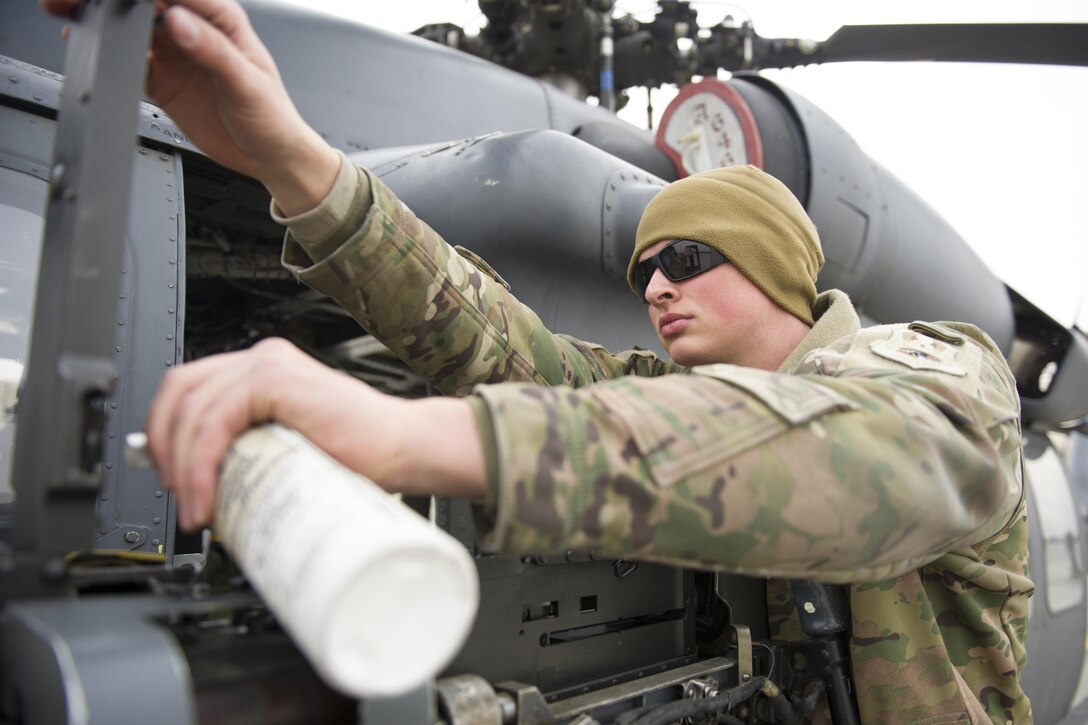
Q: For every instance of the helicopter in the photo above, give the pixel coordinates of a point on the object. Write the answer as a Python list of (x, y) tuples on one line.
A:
[(214, 283)]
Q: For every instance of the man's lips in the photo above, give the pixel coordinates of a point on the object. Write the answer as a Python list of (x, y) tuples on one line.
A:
[(672, 324)]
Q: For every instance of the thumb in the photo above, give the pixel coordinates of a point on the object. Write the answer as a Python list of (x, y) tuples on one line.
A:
[(183, 27), (211, 49)]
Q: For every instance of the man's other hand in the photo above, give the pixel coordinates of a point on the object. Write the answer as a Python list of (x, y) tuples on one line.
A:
[(423, 447), (214, 77)]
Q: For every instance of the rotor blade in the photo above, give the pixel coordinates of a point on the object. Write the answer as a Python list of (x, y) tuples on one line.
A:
[(1043, 43)]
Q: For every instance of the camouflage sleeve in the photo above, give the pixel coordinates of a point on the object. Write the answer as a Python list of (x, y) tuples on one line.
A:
[(444, 311), (857, 470)]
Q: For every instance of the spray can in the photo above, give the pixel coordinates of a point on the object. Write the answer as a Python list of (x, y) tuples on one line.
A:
[(374, 595)]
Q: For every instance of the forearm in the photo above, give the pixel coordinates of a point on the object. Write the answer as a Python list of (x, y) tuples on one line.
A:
[(442, 313), (796, 478)]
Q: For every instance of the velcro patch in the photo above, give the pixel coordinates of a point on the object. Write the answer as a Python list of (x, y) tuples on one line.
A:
[(919, 352)]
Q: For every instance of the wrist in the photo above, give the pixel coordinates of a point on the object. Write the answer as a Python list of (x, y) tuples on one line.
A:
[(443, 455), (300, 180)]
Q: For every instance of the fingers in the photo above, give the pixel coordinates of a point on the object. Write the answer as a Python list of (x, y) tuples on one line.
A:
[(216, 37), (207, 420), (202, 407), (205, 46), (70, 8), (188, 463), (61, 8), (174, 387), (208, 21), (226, 15)]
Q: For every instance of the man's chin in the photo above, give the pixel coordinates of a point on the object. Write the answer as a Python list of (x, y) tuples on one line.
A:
[(682, 356)]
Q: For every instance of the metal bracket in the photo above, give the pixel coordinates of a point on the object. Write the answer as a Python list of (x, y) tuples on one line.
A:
[(745, 664), (58, 446)]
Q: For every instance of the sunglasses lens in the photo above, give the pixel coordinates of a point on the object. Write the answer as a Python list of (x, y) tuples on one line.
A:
[(678, 261), (686, 259)]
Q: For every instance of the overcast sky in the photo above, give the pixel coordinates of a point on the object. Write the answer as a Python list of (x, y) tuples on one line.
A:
[(999, 150)]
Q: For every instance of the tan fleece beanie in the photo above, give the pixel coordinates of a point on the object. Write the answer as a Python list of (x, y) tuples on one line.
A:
[(751, 218)]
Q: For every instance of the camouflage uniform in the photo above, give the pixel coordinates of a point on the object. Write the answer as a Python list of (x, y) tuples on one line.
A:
[(886, 458)]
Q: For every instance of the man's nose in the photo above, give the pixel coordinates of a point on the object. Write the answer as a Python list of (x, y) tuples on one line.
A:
[(660, 288)]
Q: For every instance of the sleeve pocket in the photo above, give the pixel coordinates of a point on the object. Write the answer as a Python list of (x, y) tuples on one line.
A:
[(795, 399), (685, 424)]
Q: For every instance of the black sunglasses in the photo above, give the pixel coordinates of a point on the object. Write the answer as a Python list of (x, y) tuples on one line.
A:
[(679, 261)]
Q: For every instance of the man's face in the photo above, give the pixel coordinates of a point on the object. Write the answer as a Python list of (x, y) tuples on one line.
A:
[(717, 316)]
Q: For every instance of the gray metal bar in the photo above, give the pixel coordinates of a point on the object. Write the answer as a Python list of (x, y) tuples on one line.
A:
[(58, 447)]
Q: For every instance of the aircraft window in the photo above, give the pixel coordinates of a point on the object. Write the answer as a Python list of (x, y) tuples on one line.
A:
[(1046, 376), (1062, 571), (22, 204)]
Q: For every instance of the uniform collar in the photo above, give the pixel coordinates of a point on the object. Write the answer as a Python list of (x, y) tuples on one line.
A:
[(835, 318)]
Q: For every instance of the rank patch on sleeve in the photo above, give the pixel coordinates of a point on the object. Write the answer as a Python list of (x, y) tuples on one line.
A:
[(919, 352)]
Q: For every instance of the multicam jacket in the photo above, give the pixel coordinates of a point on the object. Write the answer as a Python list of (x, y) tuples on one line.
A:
[(886, 458)]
